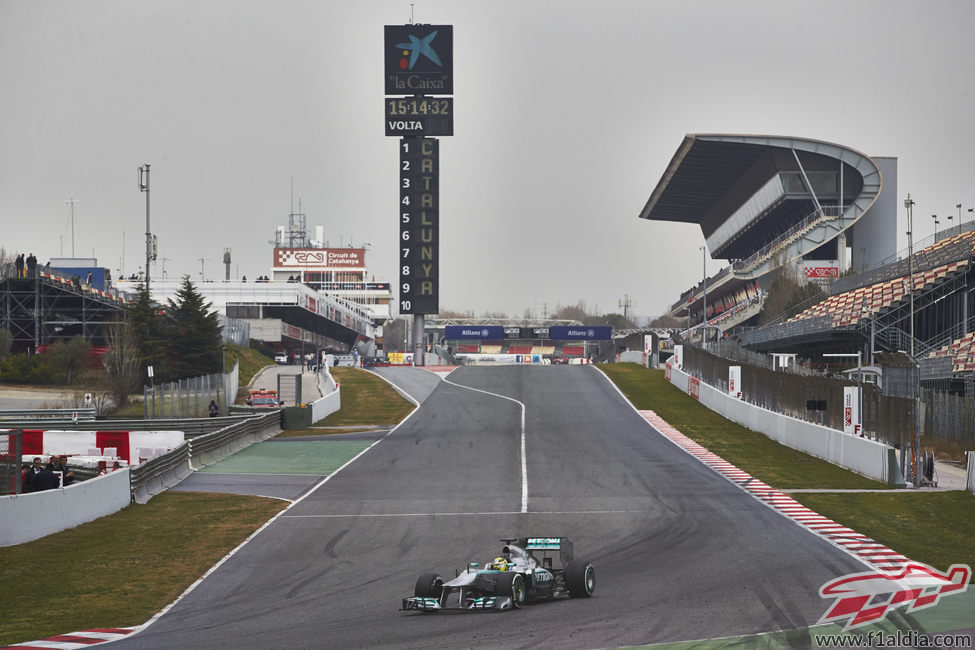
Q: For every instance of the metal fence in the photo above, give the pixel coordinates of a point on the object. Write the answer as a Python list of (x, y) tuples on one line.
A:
[(885, 418), (190, 398), (948, 415), (10, 461)]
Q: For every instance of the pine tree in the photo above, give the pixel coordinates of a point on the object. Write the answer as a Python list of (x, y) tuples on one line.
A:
[(147, 329), (195, 338)]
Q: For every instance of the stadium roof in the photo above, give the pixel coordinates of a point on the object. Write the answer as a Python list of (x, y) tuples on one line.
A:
[(712, 176)]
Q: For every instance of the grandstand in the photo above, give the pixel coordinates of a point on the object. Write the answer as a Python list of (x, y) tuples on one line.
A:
[(55, 305), (872, 311), (764, 202)]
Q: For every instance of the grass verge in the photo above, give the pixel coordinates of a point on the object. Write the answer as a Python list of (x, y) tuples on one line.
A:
[(780, 466), (937, 528), (84, 578), (366, 400)]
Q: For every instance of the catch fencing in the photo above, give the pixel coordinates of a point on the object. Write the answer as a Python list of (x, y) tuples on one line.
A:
[(190, 398), (885, 418), (10, 461), (949, 415)]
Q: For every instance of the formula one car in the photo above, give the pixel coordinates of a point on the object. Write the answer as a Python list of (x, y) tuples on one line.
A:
[(524, 572)]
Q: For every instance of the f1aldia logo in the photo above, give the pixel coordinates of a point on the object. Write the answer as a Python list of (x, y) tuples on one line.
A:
[(863, 598), (416, 47)]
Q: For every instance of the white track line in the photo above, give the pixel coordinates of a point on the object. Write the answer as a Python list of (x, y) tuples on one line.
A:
[(524, 457), (273, 519), (464, 514)]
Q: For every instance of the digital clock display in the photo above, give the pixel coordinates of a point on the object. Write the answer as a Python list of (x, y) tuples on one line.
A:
[(429, 116)]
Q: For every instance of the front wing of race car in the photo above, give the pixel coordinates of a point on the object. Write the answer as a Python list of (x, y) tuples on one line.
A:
[(427, 604)]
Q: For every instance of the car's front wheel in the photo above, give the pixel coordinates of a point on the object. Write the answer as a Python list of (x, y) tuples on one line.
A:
[(429, 585), (514, 587), (580, 578)]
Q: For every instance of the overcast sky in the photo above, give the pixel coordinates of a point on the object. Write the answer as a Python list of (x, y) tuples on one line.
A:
[(567, 114)]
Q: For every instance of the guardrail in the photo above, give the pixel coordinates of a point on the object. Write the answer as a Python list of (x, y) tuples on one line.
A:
[(161, 473), (67, 414), (190, 426)]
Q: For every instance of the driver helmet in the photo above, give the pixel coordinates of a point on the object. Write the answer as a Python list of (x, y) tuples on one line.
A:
[(500, 564)]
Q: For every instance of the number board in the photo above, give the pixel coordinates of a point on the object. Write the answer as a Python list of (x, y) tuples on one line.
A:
[(419, 226), (419, 116)]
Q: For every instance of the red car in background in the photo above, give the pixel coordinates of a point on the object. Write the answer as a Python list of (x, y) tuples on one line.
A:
[(265, 398)]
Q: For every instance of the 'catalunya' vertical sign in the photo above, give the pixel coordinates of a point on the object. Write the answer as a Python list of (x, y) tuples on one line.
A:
[(419, 62)]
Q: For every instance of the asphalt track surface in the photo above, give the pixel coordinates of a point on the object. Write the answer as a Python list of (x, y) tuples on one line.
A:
[(680, 553)]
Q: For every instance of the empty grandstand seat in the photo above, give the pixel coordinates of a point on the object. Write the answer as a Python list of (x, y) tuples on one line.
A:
[(576, 350)]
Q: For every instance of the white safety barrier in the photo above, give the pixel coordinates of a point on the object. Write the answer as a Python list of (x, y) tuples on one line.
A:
[(863, 456), (970, 485), (127, 445), (331, 400), (33, 515)]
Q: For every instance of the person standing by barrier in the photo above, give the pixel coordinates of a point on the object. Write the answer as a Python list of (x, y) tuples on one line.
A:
[(45, 479), (214, 409), (32, 471), (61, 465)]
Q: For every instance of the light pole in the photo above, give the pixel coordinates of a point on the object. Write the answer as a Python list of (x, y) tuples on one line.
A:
[(71, 202), (936, 222), (144, 187), (704, 267), (958, 205), (909, 204)]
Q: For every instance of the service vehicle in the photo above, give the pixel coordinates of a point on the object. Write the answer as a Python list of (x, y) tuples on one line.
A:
[(525, 571), (263, 397)]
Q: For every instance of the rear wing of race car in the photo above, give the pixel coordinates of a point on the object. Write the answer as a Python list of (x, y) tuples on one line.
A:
[(535, 544)]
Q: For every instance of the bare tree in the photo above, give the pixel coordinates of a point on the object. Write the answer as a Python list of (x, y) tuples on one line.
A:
[(122, 363)]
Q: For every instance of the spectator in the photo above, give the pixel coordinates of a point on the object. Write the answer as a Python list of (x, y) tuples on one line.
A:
[(19, 263), (61, 465), (28, 479), (45, 479), (243, 279), (31, 266), (214, 409)]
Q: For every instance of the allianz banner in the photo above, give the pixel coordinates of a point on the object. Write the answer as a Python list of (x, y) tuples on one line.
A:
[(479, 332), (581, 333)]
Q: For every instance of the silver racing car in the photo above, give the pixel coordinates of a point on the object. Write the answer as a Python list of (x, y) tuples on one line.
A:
[(525, 571)]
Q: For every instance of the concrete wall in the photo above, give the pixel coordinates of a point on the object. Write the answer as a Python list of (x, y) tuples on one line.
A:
[(332, 400), (861, 455), (33, 515)]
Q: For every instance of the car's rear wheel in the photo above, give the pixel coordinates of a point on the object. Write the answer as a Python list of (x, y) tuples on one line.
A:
[(513, 586), (580, 578)]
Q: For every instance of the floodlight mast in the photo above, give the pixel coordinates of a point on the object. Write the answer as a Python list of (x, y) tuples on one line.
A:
[(909, 204), (144, 187)]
